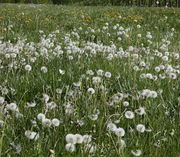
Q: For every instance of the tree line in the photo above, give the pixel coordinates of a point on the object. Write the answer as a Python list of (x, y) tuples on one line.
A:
[(149, 3)]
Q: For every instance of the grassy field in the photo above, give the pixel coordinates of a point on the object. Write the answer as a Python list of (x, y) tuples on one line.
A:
[(89, 81)]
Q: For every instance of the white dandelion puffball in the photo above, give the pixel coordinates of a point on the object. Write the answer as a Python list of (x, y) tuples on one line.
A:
[(157, 69), (79, 138), (111, 127), (96, 80), (140, 111), (46, 98), (29, 105), (129, 114), (153, 94), (125, 103), (136, 152), (70, 138), (31, 135), (41, 116), (131, 48), (1, 123), (172, 76), (90, 148), (107, 74), (91, 91), (120, 132), (69, 109), (122, 143), (55, 122), (100, 72), (4, 91), (165, 58), (51, 105), (28, 67), (46, 122), (58, 91), (138, 26), (12, 107), (89, 72), (44, 69), (93, 116), (87, 138), (141, 128), (149, 36), (139, 35), (70, 147), (62, 72), (1, 100)]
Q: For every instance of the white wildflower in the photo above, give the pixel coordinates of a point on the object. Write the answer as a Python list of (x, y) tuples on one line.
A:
[(129, 114), (122, 143), (125, 103), (62, 72), (136, 152), (44, 69), (12, 107), (79, 138), (41, 116), (1, 100), (87, 138), (70, 147), (140, 111), (70, 138), (91, 90), (111, 127), (107, 74), (46, 98), (28, 67), (141, 128), (120, 132), (46, 122), (55, 122), (31, 135)]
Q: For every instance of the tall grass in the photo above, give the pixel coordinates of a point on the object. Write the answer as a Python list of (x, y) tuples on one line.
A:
[(89, 81)]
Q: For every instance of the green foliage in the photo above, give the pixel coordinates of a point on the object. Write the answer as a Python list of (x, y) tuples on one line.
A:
[(95, 2), (169, 3), (43, 1)]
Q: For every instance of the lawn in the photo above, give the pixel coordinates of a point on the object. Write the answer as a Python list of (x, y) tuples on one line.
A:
[(80, 81)]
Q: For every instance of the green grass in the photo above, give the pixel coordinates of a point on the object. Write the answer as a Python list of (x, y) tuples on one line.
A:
[(87, 45)]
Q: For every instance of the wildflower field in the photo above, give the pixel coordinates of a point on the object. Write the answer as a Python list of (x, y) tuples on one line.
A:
[(89, 81)]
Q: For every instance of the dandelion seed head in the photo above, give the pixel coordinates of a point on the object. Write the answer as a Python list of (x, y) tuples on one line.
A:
[(129, 114)]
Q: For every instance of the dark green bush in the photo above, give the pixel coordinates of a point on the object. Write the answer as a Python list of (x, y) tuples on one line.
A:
[(169, 3)]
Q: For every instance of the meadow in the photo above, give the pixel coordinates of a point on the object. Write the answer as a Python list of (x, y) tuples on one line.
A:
[(81, 81)]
